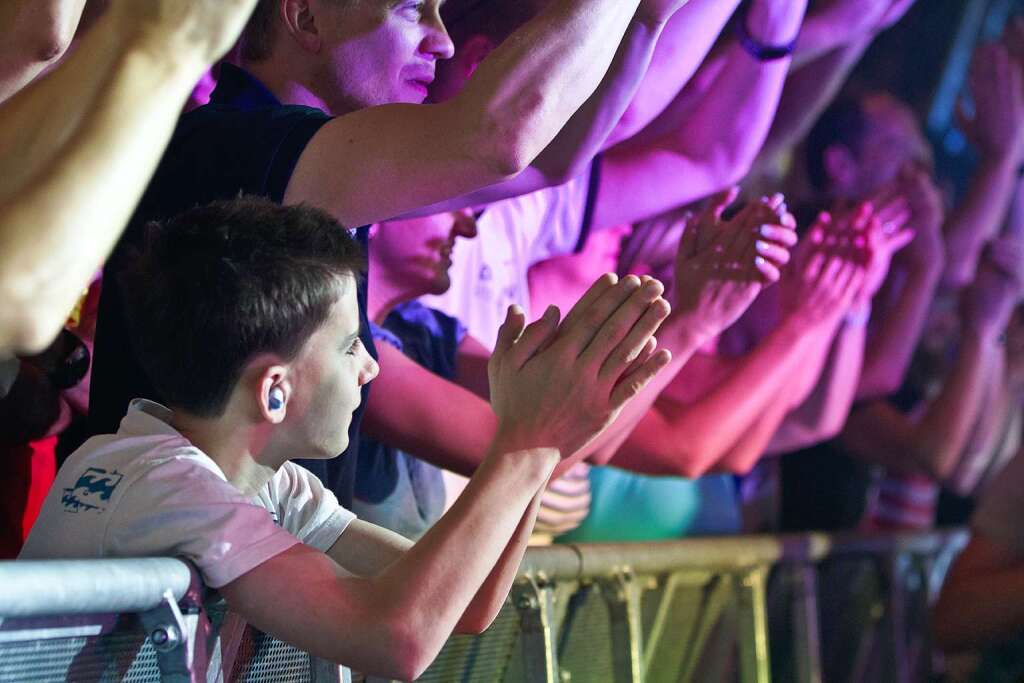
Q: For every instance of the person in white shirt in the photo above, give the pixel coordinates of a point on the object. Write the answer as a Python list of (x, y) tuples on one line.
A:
[(245, 315)]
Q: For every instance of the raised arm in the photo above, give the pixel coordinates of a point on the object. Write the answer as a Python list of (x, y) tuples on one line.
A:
[(518, 100), (36, 33), (933, 444), (708, 138), (58, 227), (901, 320), (997, 132)]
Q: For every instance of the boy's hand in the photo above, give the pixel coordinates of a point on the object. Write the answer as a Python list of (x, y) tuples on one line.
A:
[(722, 266), (560, 385)]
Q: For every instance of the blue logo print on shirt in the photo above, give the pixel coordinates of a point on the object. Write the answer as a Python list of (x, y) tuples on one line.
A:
[(91, 491)]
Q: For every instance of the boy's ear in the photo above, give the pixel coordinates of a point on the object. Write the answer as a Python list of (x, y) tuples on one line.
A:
[(274, 390)]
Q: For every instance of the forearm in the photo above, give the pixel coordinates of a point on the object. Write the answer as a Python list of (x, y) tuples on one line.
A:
[(677, 339), (693, 440), (983, 446), (896, 337), (822, 414), (686, 41), (944, 429), (588, 130), (489, 600), (979, 609), (709, 137), (979, 216), (434, 583), (50, 248), (809, 89), (538, 79)]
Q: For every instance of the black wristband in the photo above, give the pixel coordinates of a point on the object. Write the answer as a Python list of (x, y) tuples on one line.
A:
[(760, 51)]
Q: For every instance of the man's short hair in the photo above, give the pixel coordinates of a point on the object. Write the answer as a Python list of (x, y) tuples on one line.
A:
[(845, 122), (219, 284)]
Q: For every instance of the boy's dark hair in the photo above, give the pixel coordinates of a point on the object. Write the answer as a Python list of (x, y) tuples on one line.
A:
[(219, 284), (844, 122)]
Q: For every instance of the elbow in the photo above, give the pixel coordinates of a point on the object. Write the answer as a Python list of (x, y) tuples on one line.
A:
[(50, 45), (511, 136), (410, 655)]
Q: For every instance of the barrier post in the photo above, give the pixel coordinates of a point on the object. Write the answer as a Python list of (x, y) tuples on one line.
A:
[(803, 580), (622, 594), (533, 601), (755, 665)]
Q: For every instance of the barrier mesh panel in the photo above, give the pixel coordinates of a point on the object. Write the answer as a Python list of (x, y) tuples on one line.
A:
[(482, 659), (123, 656), (264, 659), (585, 642)]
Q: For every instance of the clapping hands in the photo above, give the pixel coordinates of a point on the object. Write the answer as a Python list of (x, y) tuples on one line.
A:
[(723, 265)]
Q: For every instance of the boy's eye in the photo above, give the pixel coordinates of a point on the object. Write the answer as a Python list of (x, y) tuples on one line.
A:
[(354, 349), (411, 10)]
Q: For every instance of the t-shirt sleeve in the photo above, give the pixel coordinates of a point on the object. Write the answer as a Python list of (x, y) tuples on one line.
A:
[(1002, 507), (178, 508), (307, 509), (566, 217)]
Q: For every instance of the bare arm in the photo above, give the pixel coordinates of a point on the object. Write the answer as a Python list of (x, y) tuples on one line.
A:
[(690, 440), (982, 600), (823, 414), (394, 623), (933, 445), (510, 111), (997, 131), (49, 250), (36, 34), (708, 138), (684, 44)]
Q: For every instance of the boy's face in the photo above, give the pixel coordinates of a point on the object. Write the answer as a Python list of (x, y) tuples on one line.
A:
[(326, 378), (417, 253), (381, 51)]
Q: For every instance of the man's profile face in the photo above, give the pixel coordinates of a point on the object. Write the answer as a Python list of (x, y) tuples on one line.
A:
[(326, 377), (379, 51), (417, 253)]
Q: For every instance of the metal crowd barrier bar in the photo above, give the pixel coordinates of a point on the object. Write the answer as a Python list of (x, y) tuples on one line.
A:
[(754, 609)]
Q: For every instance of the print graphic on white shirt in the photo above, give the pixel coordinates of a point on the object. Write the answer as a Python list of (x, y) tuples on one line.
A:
[(92, 491)]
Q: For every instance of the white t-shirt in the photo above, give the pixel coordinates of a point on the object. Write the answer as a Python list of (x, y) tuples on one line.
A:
[(147, 491), (489, 273)]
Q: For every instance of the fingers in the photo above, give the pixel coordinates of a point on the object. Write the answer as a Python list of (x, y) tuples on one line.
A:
[(580, 331), (722, 201), (634, 343), (620, 322), (508, 333), (632, 384), (645, 355), (535, 336), (596, 291)]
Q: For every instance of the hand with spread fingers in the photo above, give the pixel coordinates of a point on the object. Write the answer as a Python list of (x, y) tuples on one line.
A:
[(561, 385), (722, 265), (826, 276), (996, 81)]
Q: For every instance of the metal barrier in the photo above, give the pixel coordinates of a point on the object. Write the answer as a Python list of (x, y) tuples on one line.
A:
[(802, 608)]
